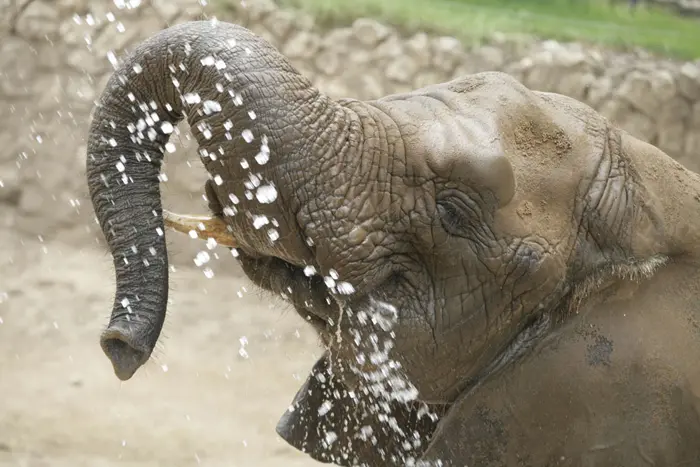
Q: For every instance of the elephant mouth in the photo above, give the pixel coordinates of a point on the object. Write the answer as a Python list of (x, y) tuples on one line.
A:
[(331, 315), (325, 401), (315, 320)]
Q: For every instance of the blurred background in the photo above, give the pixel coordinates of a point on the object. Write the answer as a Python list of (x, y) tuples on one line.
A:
[(230, 360)]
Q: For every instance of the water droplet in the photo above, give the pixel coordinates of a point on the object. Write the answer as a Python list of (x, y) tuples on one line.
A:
[(325, 407), (192, 98), (167, 128), (262, 157), (112, 59), (201, 258), (247, 135), (266, 194), (242, 352), (218, 180), (211, 107), (331, 437), (345, 288), (254, 181), (259, 221), (208, 61)]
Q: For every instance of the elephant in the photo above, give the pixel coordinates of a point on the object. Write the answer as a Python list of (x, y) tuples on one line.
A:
[(498, 276)]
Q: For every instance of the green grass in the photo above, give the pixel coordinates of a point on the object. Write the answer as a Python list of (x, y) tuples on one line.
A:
[(593, 21)]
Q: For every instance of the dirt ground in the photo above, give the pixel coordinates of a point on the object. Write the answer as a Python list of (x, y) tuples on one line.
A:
[(198, 402)]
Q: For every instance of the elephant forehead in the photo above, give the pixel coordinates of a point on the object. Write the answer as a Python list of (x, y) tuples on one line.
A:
[(555, 154)]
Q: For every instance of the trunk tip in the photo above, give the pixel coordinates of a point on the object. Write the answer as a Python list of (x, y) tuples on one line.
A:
[(125, 355)]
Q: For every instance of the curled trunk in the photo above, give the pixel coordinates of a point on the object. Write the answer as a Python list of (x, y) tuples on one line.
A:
[(217, 75)]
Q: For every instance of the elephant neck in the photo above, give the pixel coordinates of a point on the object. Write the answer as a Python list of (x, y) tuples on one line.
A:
[(606, 371)]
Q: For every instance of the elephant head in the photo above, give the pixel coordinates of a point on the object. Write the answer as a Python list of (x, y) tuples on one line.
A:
[(452, 227)]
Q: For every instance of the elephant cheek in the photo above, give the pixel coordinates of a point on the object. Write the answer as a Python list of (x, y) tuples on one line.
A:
[(262, 229)]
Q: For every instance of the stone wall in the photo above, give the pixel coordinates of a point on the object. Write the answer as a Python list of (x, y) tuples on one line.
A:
[(54, 60), (684, 7)]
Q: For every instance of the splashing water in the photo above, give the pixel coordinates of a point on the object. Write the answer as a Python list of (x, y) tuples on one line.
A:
[(247, 136), (260, 221), (242, 351), (211, 107), (266, 194), (368, 332), (192, 98), (273, 235), (127, 4), (202, 258)]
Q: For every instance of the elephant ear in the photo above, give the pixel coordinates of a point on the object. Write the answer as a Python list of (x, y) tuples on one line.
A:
[(336, 425)]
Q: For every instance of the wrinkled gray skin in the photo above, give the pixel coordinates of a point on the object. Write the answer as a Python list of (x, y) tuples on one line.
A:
[(543, 263)]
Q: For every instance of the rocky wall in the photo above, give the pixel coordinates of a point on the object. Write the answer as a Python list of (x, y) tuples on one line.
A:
[(684, 7), (55, 56)]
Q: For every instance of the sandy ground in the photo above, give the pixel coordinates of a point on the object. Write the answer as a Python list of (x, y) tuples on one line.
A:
[(197, 402)]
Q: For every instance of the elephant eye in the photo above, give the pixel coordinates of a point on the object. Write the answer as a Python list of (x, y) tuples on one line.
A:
[(455, 216)]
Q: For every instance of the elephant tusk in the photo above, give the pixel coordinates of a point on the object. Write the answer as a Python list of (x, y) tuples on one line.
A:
[(213, 226)]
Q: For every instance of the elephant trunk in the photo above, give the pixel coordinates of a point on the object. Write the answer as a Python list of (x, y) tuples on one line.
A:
[(202, 70)]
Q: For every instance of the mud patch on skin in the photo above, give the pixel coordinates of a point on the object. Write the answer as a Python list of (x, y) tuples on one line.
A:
[(599, 351), (693, 323), (525, 210), (467, 84), (599, 348), (534, 138)]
